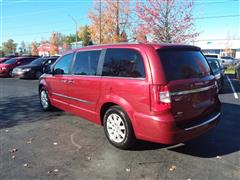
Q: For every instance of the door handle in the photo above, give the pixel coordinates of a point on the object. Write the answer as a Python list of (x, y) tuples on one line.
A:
[(63, 80)]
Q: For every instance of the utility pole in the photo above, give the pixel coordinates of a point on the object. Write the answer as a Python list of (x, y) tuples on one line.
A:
[(117, 20), (75, 21), (100, 21)]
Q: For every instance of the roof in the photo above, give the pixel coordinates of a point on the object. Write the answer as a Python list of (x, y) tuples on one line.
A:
[(135, 45)]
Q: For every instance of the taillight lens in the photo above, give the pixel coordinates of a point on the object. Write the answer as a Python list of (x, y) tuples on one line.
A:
[(160, 98)]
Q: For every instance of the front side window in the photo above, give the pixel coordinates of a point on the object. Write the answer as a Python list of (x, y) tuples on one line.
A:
[(86, 63), (123, 63), (63, 65)]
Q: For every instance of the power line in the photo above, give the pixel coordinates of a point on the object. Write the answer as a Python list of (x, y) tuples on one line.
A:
[(217, 39), (224, 16)]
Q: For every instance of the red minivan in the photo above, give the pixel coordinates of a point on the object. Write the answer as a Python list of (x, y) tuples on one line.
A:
[(162, 93)]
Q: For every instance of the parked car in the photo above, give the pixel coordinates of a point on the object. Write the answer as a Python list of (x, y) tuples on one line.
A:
[(212, 55), (34, 69), (237, 71), (227, 61), (7, 67), (155, 92), (2, 60), (218, 72)]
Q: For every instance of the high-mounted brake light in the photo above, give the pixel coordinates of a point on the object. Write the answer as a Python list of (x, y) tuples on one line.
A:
[(160, 98)]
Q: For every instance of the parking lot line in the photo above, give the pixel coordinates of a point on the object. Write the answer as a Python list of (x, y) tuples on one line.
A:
[(233, 89)]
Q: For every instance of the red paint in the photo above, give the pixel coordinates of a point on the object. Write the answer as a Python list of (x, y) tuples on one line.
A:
[(6, 68), (152, 119)]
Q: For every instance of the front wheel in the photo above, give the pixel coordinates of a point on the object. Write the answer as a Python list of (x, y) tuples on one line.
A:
[(44, 100), (10, 73), (118, 128)]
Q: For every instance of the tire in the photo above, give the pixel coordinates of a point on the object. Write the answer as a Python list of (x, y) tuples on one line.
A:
[(118, 128), (10, 73), (44, 100), (38, 74)]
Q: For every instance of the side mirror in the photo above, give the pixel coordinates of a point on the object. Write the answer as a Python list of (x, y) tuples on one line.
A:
[(58, 71)]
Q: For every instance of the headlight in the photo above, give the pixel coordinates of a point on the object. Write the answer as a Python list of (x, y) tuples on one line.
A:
[(26, 70), (3, 68)]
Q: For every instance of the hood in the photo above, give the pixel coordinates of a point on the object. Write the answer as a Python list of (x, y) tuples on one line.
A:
[(29, 66), (4, 65)]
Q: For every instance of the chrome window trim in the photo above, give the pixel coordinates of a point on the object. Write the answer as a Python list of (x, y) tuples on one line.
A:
[(72, 98), (97, 76), (191, 91), (118, 77), (204, 123)]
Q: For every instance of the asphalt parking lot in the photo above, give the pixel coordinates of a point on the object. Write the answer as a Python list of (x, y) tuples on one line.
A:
[(57, 145)]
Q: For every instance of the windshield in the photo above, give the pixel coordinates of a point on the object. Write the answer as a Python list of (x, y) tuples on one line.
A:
[(10, 61), (183, 64), (37, 61)]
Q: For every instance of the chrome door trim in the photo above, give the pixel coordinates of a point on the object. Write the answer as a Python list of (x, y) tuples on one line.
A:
[(204, 123), (191, 91), (72, 98)]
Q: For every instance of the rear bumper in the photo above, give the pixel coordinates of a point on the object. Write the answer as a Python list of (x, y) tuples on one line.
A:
[(163, 129)]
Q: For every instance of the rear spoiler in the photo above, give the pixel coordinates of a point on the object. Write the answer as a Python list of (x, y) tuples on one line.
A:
[(180, 47)]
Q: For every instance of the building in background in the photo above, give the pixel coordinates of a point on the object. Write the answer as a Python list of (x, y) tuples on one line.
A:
[(220, 47), (75, 45), (44, 49)]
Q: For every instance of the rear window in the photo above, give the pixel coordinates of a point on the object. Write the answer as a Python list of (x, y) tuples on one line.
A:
[(183, 64), (10, 61), (214, 64)]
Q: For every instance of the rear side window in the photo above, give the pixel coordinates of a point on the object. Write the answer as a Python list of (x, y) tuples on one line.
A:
[(86, 63), (123, 63), (183, 64)]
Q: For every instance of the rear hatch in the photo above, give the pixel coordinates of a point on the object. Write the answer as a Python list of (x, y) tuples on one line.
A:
[(190, 83)]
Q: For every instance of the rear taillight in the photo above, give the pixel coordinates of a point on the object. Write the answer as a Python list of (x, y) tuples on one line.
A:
[(160, 98)]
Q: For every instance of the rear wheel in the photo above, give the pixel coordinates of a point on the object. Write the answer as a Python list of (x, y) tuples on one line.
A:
[(44, 100), (118, 128)]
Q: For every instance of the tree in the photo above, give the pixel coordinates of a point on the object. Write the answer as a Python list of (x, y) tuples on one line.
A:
[(67, 40), (22, 48), (84, 35), (1, 52), (167, 21), (54, 44), (34, 50), (123, 37), (9, 47), (112, 19)]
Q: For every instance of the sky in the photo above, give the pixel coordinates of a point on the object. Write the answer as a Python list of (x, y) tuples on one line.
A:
[(35, 20)]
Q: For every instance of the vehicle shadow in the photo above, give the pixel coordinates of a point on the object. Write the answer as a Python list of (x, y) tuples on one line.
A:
[(18, 110)]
